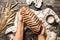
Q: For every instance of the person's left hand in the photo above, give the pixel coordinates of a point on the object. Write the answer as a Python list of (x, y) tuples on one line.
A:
[(20, 16)]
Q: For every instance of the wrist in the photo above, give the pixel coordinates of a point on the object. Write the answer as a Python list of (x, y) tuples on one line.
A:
[(40, 35)]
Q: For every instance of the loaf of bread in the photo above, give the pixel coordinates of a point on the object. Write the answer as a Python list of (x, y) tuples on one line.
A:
[(31, 20)]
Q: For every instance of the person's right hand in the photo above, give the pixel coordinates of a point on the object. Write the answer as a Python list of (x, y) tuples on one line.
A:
[(43, 30), (41, 35)]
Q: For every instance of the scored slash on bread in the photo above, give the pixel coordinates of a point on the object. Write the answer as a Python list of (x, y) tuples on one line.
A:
[(31, 19)]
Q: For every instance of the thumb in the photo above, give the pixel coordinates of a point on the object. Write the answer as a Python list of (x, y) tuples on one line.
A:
[(19, 16), (43, 29)]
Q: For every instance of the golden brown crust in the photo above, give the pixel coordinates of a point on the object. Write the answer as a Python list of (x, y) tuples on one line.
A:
[(31, 19)]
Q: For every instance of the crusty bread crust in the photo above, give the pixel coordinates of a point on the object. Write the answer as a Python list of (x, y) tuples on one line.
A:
[(31, 19)]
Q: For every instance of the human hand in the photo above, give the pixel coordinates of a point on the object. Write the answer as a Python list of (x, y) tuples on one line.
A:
[(41, 35), (20, 16), (20, 27), (43, 30)]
